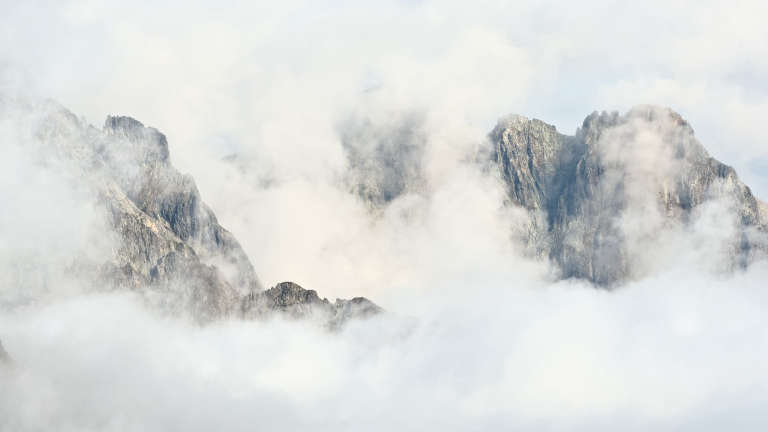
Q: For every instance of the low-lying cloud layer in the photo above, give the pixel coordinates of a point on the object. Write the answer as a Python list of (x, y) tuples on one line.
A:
[(677, 352)]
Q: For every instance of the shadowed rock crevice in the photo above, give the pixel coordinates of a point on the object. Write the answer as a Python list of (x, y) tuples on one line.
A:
[(157, 189)]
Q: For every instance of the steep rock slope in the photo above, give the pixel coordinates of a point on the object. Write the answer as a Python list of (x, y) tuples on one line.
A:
[(601, 198)]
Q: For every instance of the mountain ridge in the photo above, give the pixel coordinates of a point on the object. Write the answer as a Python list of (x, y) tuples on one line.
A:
[(597, 201)]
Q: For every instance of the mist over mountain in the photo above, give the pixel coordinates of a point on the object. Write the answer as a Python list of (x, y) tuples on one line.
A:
[(152, 232), (601, 199), (109, 251), (383, 216)]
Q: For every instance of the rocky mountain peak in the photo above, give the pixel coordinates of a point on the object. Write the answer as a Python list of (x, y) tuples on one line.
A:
[(520, 122), (148, 143)]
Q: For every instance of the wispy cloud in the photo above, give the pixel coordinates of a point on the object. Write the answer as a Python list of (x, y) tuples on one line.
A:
[(482, 337)]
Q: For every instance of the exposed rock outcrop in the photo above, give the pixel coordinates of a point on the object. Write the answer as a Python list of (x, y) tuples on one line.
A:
[(157, 189), (617, 184), (294, 301)]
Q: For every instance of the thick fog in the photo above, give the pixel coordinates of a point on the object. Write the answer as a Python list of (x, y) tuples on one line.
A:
[(289, 116)]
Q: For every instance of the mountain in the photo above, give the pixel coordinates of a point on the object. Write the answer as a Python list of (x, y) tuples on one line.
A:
[(165, 242), (603, 199)]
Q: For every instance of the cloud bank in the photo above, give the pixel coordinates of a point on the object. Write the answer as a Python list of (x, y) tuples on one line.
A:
[(674, 353)]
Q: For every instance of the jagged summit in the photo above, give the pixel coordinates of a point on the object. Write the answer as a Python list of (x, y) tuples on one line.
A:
[(153, 144), (123, 124), (513, 121), (597, 199), (291, 299)]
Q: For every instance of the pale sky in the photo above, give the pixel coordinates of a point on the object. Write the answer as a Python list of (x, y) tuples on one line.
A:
[(248, 73)]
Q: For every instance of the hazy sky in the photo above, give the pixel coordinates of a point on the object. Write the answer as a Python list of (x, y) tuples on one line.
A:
[(243, 75), (481, 338)]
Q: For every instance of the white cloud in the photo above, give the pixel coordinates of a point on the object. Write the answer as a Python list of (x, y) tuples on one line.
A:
[(676, 352), (494, 343)]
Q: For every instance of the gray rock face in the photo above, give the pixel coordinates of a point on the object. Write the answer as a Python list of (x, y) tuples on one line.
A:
[(384, 160), (294, 301), (598, 198), (167, 240), (167, 243), (150, 255)]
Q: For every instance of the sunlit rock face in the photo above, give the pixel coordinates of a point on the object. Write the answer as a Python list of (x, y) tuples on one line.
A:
[(162, 240), (618, 188)]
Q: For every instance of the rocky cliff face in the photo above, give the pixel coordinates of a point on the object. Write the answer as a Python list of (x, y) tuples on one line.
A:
[(598, 199), (166, 243)]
